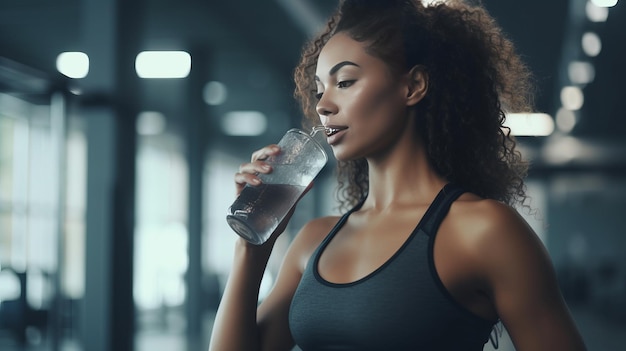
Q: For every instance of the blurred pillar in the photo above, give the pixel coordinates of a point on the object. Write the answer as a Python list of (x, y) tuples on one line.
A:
[(196, 136), (58, 132), (111, 31)]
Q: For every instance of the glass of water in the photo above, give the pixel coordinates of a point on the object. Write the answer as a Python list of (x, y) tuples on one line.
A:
[(258, 210)]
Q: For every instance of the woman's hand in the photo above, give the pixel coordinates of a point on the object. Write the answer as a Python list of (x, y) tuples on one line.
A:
[(248, 171), (248, 174)]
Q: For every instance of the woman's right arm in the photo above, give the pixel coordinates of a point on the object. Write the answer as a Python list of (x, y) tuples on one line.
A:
[(239, 325), (235, 326)]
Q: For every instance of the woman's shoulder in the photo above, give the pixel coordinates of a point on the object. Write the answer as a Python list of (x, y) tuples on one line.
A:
[(484, 216), (489, 229)]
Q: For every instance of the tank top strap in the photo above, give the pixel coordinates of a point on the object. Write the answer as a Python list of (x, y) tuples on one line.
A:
[(439, 208), (340, 224)]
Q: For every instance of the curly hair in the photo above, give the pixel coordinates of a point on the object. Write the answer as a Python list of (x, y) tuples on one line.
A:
[(475, 76)]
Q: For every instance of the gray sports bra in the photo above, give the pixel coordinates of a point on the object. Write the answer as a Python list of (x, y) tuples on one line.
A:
[(403, 305)]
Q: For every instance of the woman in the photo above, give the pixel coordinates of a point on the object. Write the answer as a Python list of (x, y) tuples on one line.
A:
[(430, 254)]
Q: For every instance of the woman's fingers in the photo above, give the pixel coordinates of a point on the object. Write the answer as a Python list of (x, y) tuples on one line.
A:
[(264, 153), (248, 172)]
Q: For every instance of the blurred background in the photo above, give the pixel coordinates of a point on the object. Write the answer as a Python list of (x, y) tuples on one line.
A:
[(122, 123)]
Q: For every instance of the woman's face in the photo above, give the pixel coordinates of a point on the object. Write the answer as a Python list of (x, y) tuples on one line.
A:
[(359, 98)]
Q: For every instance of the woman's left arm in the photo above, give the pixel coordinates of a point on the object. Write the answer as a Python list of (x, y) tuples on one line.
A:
[(523, 285)]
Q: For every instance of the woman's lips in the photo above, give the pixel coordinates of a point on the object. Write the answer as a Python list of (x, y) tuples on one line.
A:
[(334, 133), (330, 131)]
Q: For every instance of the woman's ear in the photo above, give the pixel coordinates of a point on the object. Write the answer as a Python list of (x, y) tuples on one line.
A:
[(417, 84)]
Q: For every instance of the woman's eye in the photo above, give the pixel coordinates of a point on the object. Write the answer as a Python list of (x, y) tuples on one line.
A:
[(318, 95), (345, 83)]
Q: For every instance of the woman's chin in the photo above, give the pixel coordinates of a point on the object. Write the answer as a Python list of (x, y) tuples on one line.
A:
[(343, 156)]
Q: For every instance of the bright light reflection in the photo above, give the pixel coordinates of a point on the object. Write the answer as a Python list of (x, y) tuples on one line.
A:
[(591, 43), (10, 288), (161, 235), (163, 64), (604, 3), (244, 123), (214, 93), (529, 124), (572, 98), (73, 64), (581, 72), (150, 123), (563, 150), (35, 294), (595, 13), (565, 120)]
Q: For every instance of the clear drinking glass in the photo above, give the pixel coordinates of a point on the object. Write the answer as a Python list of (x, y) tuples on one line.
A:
[(258, 210)]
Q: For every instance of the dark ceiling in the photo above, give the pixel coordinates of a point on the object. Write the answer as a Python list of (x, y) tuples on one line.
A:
[(254, 45)]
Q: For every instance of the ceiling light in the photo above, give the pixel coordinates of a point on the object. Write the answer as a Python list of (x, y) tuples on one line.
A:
[(595, 13), (581, 72), (244, 123), (163, 64), (73, 64), (529, 124), (592, 45), (565, 120), (604, 3), (572, 98)]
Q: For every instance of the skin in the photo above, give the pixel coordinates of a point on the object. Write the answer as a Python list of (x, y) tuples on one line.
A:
[(486, 255)]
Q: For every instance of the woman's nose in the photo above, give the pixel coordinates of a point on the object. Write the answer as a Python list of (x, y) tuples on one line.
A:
[(325, 107)]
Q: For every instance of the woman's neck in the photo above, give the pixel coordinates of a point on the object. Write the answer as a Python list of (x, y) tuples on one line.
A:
[(402, 177)]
